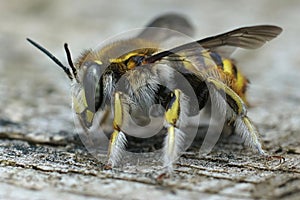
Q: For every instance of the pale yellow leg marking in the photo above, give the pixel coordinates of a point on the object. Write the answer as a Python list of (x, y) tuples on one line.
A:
[(118, 112), (171, 139), (117, 123), (112, 141), (249, 124), (172, 116), (172, 113), (254, 135)]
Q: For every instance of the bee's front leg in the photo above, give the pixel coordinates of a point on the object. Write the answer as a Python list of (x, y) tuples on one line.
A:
[(118, 140), (174, 116)]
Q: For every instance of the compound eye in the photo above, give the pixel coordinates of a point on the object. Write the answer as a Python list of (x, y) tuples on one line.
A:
[(91, 85), (135, 61), (138, 60)]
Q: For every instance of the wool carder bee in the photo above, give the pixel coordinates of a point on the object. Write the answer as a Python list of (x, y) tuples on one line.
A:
[(126, 78)]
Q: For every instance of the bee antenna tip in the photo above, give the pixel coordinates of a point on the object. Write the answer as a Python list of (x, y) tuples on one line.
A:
[(70, 61)]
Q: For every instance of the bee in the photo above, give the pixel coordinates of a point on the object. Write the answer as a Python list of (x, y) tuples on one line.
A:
[(125, 78)]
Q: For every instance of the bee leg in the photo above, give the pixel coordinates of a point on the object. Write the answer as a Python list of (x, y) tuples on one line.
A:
[(237, 114), (117, 140), (174, 115)]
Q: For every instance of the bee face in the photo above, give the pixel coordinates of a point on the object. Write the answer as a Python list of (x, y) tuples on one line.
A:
[(86, 92), (126, 78)]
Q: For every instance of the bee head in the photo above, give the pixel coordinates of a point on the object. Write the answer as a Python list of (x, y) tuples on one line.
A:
[(86, 95)]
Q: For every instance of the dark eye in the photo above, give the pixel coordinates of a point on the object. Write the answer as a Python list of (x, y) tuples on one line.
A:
[(134, 61), (91, 86), (138, 60)]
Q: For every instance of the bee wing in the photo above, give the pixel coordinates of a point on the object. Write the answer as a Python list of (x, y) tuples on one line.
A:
[(247, 37), (224, 44), (171, 21)]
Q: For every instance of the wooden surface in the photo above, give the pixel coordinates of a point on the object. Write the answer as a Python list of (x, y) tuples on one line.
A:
[(41, 157)]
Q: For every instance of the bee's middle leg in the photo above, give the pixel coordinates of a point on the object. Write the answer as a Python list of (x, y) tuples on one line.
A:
[(174, 116), (117, 140)]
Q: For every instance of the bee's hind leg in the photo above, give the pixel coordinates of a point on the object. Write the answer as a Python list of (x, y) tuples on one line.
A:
[(117, 142), (236, 114), (174, 115)]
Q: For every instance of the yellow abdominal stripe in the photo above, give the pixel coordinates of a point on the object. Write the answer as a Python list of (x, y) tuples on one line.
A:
[(240, 83), (227, 65)]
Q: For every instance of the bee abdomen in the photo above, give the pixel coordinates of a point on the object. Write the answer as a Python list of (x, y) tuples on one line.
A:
[(237, 80), (240, 81)]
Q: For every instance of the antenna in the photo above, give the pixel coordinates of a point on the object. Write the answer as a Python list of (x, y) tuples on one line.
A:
[(54, 59), (69, 57)]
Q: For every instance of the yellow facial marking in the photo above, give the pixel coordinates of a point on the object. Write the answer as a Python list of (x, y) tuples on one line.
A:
[(79, 102), (89, 116), (98, 62)]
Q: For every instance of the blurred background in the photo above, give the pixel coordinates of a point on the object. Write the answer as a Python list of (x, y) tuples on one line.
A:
[(34, 91)]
